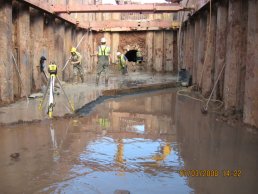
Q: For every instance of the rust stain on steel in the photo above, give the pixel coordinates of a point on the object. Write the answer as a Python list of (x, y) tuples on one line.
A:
[(84, 8), (48, 8)]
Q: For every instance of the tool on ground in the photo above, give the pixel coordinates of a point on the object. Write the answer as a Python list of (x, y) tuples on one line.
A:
[(19, 75), (52, 69), (204, 109), (76, 48)]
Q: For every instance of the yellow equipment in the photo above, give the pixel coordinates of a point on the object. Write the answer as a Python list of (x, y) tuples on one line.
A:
[(52, 68)]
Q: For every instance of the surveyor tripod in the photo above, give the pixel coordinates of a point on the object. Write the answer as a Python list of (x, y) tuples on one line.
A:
[(52, 69)]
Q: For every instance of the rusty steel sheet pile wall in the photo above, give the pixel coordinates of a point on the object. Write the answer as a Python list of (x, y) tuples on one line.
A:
[(27, 34), (225, 37), (6, 68), (158, 47)]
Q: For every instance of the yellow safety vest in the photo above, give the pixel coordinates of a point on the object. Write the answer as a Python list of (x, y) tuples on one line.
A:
[(104, 123), (52, 68), (103, 50)]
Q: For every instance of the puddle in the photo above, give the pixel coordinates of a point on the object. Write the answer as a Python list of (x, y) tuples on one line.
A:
[(138, 143)]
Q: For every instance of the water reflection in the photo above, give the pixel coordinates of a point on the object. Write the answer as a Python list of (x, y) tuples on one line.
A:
[(136, 143), (124, 143), (138, 128), (56, 154)]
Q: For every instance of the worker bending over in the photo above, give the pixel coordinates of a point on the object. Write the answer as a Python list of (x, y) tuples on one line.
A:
[(122, 62), (76, 60)]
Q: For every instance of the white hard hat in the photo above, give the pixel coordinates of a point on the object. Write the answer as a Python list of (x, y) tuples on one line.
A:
[(103, 40), (118, 53)]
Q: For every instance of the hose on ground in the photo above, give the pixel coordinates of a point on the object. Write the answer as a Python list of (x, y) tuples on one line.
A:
[(202, 99)]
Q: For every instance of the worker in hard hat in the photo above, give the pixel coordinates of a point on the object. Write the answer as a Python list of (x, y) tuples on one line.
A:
[(76, 60), (103, 54), (122, 62)]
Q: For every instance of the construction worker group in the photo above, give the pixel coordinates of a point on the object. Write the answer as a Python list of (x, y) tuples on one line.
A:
[(102, 68), (103, 62)]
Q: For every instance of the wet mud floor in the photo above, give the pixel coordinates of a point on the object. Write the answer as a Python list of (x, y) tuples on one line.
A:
[(149, 143)]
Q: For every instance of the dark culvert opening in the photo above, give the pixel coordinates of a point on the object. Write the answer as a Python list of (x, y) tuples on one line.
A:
[(131, 55)]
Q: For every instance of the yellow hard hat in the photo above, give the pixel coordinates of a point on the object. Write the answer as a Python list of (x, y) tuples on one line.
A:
[(73, 50)]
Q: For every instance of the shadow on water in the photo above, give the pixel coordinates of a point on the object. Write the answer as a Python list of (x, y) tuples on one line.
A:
[(138, 143)]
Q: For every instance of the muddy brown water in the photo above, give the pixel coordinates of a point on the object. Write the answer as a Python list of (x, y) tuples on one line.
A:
[(146, 143)]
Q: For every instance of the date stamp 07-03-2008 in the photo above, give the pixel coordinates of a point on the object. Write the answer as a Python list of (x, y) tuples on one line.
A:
[(210, 173)]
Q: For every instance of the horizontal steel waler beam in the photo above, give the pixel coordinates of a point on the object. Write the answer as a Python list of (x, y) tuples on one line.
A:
[(131, 25), (119, 25), (84, 8), (46, 7)]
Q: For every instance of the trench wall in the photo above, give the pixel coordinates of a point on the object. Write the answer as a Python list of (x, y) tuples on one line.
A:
[(159, 48), (26, 34), (225, 37)]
